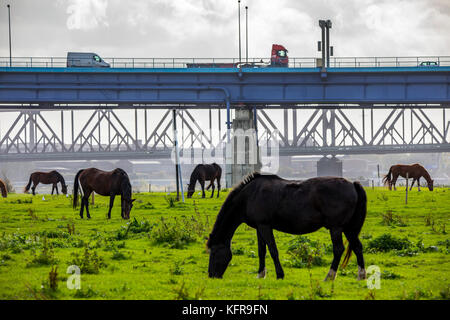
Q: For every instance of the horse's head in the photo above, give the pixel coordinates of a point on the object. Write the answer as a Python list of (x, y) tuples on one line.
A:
[(219, 258), (191, 189), (127, 204), (64, 189), (430, 185)]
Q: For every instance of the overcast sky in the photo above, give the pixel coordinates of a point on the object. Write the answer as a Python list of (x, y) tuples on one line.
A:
[(208, 28)]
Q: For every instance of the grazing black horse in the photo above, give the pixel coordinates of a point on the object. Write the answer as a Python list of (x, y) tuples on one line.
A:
[(203, 172), (105, 183), (52, 177), (267, 202)]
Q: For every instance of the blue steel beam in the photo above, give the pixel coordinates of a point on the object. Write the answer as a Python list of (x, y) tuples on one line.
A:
[(401, 85)]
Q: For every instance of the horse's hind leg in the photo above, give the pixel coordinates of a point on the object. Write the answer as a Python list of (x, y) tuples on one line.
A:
[(218, 187), (262, 256), (338, 250), (33, 188), (202, 184), (412, 183), (266, 233), (111, 203), (86, 202), (356, 246), (82, 207)]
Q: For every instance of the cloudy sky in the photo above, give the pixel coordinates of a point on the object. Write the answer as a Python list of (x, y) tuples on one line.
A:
[(208, 28)]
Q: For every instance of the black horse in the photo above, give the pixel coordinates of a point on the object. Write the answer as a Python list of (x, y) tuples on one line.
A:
[(267, 202), (203, 172), (105, 183)]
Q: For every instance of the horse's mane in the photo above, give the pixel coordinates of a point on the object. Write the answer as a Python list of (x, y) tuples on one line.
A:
[(229, 202), (3, 189), (59, 175)]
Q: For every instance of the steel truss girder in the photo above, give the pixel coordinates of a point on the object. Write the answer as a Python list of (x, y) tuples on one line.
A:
[(104, 135)]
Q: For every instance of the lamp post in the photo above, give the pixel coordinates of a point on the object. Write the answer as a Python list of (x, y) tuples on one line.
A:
[(239, 26), (9, 23), (246, 35)]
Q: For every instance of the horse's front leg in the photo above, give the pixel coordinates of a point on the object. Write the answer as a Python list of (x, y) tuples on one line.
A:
[(266, 233), (202, 184), (418, 183), (213, 188), (57, 191), (111, 203), (262, 256), (338, 250)]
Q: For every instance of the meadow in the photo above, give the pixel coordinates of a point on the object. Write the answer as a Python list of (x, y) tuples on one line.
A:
[(160, 252)]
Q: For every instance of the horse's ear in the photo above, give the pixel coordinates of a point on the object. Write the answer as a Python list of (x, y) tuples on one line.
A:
[(133, 200)]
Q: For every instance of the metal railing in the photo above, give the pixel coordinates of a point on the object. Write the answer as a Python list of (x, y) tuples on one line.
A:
[(335, 62)]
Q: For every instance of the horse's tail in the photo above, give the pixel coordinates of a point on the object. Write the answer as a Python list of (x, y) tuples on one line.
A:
[(3, 189), (27, 187), (387, 178), (358, 218), (76, 185)]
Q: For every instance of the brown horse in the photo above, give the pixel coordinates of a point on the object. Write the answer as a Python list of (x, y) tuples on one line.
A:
[(105, 183), (52, 177), (202, 173), (415, 171), (3, 189)]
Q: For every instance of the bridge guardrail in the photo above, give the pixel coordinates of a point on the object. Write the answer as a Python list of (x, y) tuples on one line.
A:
[(335, 62)]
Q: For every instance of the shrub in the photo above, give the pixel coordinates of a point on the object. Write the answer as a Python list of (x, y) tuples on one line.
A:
[(305, 252), (386, 242), (173, 234), (45, 257), (89, 262), (391, 219)]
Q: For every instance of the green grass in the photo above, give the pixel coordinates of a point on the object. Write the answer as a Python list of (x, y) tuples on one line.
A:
[(160, 252)]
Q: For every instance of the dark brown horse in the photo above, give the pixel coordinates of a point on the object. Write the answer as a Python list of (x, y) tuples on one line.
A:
[(267, 202), (415, 171), (105, 183), (3, 189), (202, 173), (52, 177)]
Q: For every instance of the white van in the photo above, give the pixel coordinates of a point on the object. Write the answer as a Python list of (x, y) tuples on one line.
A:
[(85, 59)]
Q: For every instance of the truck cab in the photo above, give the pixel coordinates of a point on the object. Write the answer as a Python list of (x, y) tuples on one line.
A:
[(279, 57), (85, 59)]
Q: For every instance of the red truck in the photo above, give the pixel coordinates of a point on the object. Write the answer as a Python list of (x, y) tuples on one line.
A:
[(278, 58)]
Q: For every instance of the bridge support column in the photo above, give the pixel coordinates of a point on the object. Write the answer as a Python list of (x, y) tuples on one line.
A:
[(329, 167), (242, 152)]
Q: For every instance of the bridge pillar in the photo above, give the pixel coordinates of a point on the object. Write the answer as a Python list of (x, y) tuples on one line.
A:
[(329, 167), (242, 152)]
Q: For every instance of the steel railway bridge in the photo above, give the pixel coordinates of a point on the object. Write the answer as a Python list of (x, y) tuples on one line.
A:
[(52, 112)]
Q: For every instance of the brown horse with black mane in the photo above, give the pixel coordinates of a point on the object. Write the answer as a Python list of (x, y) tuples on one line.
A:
[(105, 183), (202, 173), (268, 202), (3, 189), (52, 177), (414, 171)]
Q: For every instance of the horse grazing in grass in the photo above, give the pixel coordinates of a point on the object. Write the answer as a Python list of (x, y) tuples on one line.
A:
[(415, 171), (267, 202), (202, 173), (52, 177), (105, 183), (3, 189)]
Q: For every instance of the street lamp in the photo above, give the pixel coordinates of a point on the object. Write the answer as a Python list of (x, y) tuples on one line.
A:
[(246, 35), (239, 23), (9, 23)]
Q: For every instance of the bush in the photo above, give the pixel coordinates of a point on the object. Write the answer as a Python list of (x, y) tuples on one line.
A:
[(386, 242), (305, 252), (45, 257), (173, 234), (89, 262)]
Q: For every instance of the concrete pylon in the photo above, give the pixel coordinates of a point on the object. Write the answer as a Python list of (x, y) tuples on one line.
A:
[(243, 156)]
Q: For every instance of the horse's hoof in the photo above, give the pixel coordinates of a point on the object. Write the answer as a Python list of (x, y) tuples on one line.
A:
[(262, 274), (330, 276), (361, 274)]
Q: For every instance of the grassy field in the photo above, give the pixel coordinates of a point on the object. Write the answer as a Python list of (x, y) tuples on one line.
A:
[(160, 253)]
